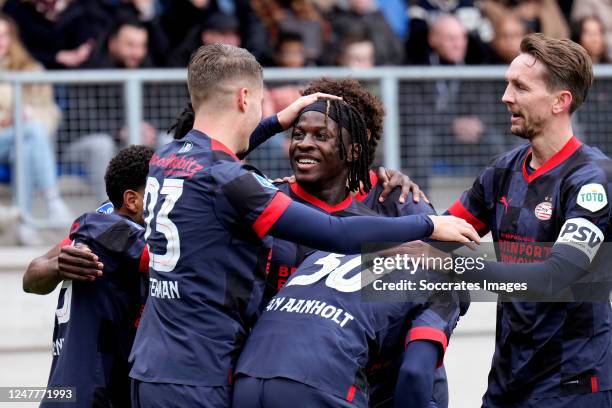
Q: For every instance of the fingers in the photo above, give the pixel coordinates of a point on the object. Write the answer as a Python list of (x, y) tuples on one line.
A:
[(323, 95), (285, 180), (416, 196), (424, 196), (382, 174), (79, 261)]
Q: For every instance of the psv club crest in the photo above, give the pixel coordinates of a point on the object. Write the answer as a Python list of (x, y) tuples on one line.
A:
[(543, 211)]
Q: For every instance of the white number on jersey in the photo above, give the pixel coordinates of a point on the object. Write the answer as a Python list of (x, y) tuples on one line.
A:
[(172, 189), (332, 267), (63, 313)]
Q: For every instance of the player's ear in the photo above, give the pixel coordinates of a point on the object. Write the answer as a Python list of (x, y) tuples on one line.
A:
[(243, 94), (562, 102), (131, 201)]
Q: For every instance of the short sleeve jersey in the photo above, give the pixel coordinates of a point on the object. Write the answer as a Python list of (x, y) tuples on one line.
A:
[(545, 349), (95, 322), (206, 214), (319, 331)]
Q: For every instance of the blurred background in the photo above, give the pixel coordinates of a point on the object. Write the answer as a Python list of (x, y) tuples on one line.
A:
[(80, 79)]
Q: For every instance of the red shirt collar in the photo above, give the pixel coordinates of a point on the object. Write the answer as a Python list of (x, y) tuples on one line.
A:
[(570, 147), (309, 198)]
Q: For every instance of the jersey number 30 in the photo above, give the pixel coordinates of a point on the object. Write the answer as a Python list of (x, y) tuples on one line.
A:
[(172, 190)]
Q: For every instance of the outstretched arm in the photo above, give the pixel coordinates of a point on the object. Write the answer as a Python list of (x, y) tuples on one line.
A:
[(304, 225)]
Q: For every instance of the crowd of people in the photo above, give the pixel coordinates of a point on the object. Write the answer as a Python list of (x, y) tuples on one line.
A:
[(296, 33)]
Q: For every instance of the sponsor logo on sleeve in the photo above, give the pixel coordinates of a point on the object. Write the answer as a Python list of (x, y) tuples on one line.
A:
[(582, 234), (592, 197), (264, 181)]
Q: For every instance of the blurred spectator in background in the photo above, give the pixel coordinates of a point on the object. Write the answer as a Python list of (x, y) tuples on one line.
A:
[(127, 46), (506, 45), (217, 28), (297, 16), (448, 41), (542, 16), (600, 8), (181, 16), (362, 17), (356, 52), (56, 32), (423, 13), (450, 112), (106, 14), (590, 33), (289, 51), (41, 118)]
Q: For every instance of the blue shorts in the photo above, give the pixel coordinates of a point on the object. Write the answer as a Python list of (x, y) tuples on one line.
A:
[(602, 399), (162, 395), (251, 392)]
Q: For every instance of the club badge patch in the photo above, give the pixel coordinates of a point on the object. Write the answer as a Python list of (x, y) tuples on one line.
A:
[(543, 211), (592, 197)]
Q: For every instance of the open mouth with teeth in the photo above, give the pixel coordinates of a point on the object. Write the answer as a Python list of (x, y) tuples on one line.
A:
[(305, 163)]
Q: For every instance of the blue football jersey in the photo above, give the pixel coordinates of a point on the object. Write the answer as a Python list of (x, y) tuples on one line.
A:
[(318, 330), (206, 215), (95, 322), (545, 349)]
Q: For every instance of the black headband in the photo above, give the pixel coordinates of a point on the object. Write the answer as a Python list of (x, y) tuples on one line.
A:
[(321, 106)]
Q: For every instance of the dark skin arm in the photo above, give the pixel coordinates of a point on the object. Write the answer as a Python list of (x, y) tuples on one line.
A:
[(76, 263)]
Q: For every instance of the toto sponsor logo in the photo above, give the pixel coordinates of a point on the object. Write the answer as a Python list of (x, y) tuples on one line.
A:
[(543, 211)]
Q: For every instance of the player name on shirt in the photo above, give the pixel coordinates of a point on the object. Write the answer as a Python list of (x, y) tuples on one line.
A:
[(311, 306), (163, 289)]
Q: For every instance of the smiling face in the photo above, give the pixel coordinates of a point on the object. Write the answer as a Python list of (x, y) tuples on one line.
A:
[(314, 151), (527, 97)]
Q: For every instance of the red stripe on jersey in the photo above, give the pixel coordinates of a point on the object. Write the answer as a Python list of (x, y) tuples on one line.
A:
[(217, 145), (143, 267), (458, 210), (566, 151), (432, 334), (271, 214), (351, 393), (361, 195), (309, 198), (65, 242), (594, 384)]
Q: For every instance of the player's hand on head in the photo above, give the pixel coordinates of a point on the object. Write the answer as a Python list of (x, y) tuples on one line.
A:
[(394, 178), (78, 263), (453, 229), (287, 116)]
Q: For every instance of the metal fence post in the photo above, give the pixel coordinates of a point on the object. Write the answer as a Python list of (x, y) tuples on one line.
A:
[(19, 163), (133, 109), (391, 140)]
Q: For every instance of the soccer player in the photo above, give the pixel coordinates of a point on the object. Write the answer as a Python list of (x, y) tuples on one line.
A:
[(322, 173), (324, 187), (96, 317), (206, 214), (554, 189)]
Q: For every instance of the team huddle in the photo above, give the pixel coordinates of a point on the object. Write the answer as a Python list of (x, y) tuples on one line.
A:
[(201, 283)]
